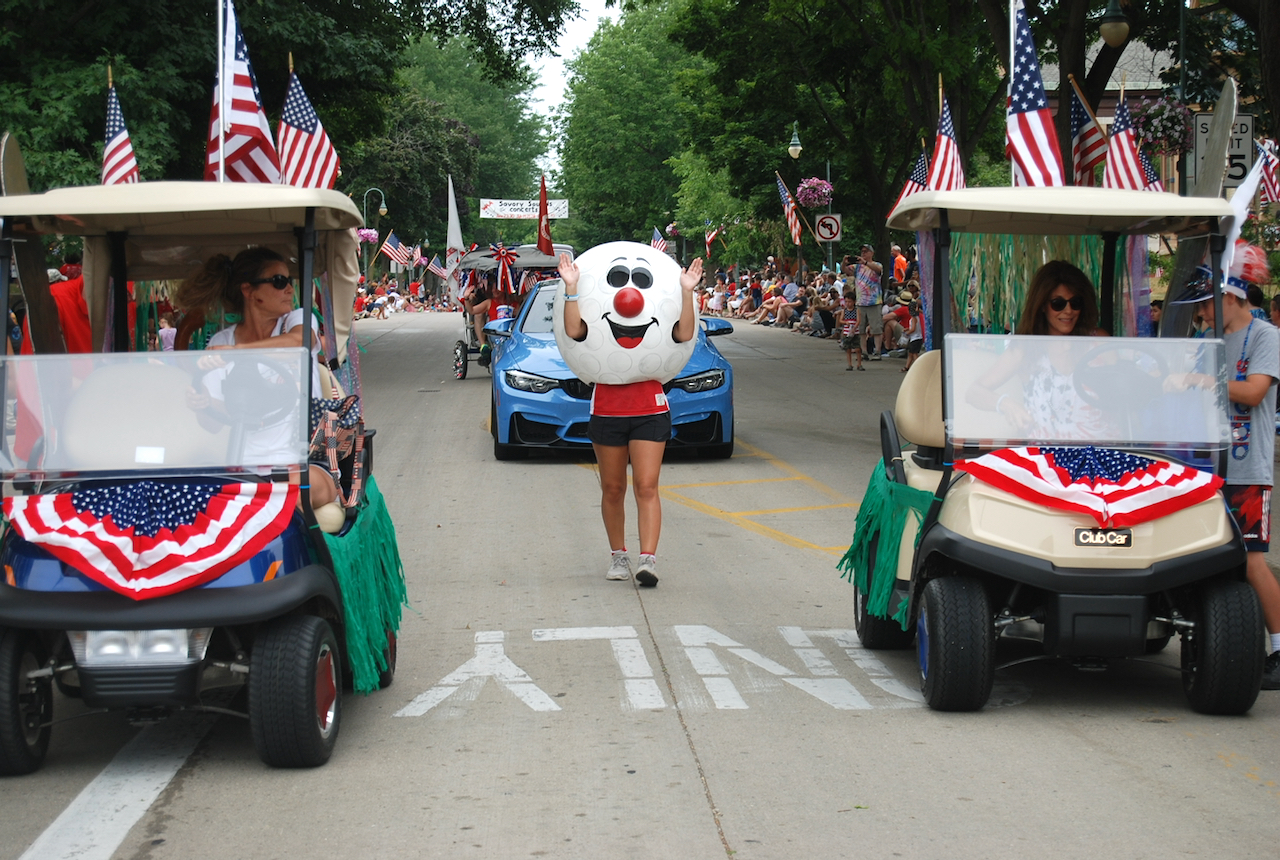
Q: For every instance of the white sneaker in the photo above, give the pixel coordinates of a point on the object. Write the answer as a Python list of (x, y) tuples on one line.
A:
[(647, 571), (619, 567)]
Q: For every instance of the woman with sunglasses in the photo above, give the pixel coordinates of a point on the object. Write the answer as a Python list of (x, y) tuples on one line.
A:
[(257, 287), (1061, 303)]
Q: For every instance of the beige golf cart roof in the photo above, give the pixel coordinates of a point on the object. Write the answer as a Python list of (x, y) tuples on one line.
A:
[(172, 228), (1059, 211)]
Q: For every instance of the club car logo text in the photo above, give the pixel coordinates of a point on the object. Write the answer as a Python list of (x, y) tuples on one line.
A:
[(1120, 538)]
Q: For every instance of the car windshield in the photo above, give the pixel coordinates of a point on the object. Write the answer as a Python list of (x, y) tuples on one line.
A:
[(537, 320), (1160, 394), (165, 413)]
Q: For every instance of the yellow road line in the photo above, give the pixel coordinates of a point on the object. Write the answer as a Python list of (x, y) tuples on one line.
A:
[(792, 510), (727, 483), (743, 523), (792, 470)]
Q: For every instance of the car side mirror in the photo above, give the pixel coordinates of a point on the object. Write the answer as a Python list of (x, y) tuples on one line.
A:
[(499, 328), (715, 326)]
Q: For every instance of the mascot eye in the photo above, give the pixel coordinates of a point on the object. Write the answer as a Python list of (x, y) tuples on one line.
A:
[(641, 278), (618, 276)]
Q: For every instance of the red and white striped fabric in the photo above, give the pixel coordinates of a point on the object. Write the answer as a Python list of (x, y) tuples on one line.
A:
[(946, 173), (1270, 189), (249, 150), (1115, 488), (149, 539), (1124, 167), (788, 209)]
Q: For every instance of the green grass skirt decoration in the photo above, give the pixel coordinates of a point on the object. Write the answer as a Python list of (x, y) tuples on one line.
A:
[(367, 563), (884, 511)]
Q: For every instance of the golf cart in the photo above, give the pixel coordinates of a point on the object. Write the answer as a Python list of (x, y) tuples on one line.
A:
[(965, 539), (526, 257), (160, 549)]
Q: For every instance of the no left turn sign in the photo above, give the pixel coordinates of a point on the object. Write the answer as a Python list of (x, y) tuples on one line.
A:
[(827, 228)]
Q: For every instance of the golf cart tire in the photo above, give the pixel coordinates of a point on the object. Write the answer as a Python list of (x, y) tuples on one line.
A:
[(460, 360), (26, 706), (955, 641), (1222, 659), (878, 634), (294, 710), (387, 675)]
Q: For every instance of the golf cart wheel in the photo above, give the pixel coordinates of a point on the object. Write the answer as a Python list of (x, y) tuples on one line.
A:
[(26, 704), (387, 675), (877, 633), (1222, 658), (295, 692), (460, 360), (955, 642)]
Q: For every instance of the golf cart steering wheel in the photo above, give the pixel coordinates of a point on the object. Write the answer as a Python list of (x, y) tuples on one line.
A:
[(1135, 376), (250, 399)]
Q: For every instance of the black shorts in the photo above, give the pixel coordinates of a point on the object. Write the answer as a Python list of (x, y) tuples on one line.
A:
[(616, 432), (913, 346)]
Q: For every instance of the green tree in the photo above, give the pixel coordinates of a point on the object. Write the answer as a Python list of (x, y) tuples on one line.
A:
[(622, 121)]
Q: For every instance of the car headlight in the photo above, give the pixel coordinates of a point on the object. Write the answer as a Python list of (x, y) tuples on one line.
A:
[(96, 647), (529, 382), (705, 381)]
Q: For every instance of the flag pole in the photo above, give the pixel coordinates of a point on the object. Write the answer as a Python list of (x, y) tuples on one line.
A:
[(796, 203), (1084, 101), (291, 62), (222, 91), (110, 84)]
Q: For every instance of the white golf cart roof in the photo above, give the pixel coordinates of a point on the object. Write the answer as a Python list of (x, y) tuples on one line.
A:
[(1059, 211), (185, 209)]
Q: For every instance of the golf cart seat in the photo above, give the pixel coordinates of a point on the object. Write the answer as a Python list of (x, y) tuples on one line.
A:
[(918, 411)]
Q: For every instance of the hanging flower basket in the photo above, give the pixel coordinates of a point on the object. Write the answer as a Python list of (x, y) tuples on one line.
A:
[(1163, 124), (367, 234), (813, 192), (672, 230)]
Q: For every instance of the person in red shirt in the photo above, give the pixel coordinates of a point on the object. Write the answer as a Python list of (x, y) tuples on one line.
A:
[(630, 423)]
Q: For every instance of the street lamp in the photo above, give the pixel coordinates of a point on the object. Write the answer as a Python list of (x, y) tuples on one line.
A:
[(1113, 26), (795, 147), (794, 150), (382, 210)]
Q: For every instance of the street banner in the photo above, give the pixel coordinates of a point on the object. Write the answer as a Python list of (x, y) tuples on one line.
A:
[(521, 209)]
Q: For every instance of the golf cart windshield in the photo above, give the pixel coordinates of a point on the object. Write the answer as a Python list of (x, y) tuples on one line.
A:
[(1115, 392), (141, 414)]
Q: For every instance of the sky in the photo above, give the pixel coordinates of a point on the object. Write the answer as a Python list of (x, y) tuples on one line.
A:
[(549, 93)]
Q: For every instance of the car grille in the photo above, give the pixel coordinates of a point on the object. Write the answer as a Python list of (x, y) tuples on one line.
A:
[(704, 432), (577, 388), (535, 432)]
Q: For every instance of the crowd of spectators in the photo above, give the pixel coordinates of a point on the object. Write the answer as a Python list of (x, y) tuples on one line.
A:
[(378, 299)]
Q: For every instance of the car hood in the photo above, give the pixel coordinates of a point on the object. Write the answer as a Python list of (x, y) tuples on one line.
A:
[(538, 353)]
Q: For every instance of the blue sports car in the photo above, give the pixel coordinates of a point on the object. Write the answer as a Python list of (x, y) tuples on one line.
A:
[(539, 403)]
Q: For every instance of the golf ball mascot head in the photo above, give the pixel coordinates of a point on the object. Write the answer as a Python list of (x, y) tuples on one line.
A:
[(629, 297)]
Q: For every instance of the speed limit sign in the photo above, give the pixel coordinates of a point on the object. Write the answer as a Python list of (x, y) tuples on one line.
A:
[(827, 228)]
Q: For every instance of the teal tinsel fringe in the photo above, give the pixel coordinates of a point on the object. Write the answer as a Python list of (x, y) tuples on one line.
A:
[(884, 510), (367, 563)]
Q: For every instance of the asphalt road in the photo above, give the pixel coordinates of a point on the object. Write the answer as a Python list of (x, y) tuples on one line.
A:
[(542, 711)]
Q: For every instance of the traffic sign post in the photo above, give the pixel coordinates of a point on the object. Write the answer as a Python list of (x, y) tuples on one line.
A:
[(1240, 151), (827, 228)]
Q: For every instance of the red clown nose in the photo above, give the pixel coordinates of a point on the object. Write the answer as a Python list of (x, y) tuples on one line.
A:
[(628, 302)]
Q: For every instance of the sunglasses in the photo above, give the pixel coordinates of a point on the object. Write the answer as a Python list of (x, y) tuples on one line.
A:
[(280, 282), (1058, 303)]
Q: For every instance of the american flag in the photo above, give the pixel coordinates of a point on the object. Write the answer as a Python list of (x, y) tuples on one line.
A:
[(712, 233), (1149, 174), (395, 250), (118, 164), (148, 539), (789, 209), (1270, 181), (1124, 165), (506, 258), (945, 171), (1088, 140), (436, 268), (658, 242), (916, 181), (1115, 488), (250, 154), (307, 156), (416, 258), (1031, 141)]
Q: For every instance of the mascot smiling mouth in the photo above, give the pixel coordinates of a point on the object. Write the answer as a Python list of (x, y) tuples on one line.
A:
[(629, 336)]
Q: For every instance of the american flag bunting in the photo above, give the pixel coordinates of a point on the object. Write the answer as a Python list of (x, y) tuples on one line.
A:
[(250, 153), (119, 166), (946, 173), (307, 156), (1124, 164), (1031, 141)]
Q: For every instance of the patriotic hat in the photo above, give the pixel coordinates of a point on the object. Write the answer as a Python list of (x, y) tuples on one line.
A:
[(1198, 289), (1248, 266)]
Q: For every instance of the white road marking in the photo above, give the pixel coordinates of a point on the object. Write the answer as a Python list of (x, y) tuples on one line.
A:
[(98, 820), (836, 692), (642, 690), (872, 667), (490, 661)]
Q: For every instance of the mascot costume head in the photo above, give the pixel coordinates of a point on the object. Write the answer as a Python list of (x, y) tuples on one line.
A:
[(629, 296)]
